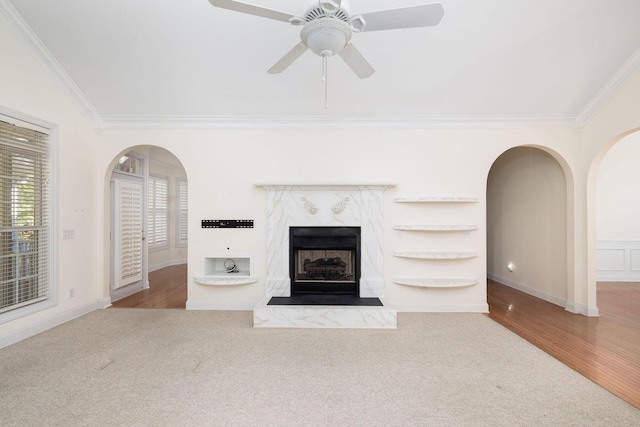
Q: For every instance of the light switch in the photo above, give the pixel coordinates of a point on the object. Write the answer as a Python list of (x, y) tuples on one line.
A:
[(68, 234)]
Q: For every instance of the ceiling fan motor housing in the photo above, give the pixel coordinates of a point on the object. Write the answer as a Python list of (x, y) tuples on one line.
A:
[(326, 36), (318, 12)]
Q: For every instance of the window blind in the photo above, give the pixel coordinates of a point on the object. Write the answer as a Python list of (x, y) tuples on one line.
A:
[(158, 212), (24, 216), (182, 208), (130, 233)]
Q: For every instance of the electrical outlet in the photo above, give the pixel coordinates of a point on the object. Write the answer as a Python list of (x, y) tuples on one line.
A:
[(72, 293), (68, 234)]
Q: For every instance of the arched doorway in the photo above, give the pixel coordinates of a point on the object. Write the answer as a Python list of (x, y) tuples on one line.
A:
[(147, 227), (618, 212), (527, 224)]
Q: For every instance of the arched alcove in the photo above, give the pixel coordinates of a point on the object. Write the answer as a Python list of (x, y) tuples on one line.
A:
[(527, 223), (155, 163)]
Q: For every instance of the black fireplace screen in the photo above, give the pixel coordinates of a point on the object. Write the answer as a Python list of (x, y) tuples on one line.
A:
[(324, 259), (325, 265)]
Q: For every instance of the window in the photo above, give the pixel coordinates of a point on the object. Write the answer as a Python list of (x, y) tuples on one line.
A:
[(158, 211), (130, 163), (182, 212), (25, 218)]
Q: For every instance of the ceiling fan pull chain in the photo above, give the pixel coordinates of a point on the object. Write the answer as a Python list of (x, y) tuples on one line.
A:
[(324, 69), (325, 79)]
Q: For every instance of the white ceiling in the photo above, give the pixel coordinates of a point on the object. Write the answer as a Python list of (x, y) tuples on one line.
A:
[(546, 59)]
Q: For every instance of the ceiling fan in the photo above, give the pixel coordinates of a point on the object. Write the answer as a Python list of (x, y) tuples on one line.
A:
[(329, 24)]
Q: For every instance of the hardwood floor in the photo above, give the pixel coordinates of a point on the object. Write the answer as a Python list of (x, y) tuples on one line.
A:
[(605, 349), (167, 289)]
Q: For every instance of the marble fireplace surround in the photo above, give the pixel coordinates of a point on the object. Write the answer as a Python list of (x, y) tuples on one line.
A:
[(325, 206)]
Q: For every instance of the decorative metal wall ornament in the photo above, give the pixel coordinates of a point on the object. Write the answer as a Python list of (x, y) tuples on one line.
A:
[(230, 266), (309, 206), (339, 207)]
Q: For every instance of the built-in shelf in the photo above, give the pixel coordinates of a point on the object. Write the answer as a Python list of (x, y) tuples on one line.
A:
[(436, 283), (224, 281), (435, 200), (226, 270), (436, 255), (434, 227)]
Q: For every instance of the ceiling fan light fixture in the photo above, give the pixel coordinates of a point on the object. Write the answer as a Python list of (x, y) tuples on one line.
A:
[(326, 36)]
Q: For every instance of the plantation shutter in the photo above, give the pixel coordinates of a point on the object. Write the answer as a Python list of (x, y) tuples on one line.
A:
[(183, 213), (24, 216), (128, 233), (158, 211)]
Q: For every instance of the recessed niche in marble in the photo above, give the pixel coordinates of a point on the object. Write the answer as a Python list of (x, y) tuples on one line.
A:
[(226, 270)]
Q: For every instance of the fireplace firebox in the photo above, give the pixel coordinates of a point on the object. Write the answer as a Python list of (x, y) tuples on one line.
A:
[(324, 260)]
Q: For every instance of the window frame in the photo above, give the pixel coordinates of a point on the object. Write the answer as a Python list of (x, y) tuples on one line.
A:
[(26, 121)]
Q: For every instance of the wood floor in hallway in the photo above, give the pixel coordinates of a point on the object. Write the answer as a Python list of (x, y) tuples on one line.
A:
[(605, 349), (167, 289)]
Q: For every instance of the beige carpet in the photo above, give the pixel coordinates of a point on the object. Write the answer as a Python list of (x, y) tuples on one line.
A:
[(135, 367)]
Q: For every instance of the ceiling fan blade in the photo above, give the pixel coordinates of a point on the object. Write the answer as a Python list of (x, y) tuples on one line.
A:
[(288, 58), (356, 61), (252, 10), (426, 15)]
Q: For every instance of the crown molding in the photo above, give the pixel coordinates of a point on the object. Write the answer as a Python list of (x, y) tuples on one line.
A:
[(335, 122), (31, 41), (622, 76)]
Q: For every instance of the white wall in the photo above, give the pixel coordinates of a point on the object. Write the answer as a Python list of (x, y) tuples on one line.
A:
[(618, 212), (527, 223), (618, 191), (224, 167), (27, 87)]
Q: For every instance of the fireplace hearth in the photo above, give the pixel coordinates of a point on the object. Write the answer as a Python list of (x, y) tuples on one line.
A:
[(324, 260)]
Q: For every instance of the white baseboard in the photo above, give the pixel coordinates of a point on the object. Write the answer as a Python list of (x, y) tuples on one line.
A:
[(570, 307), (612, 277), (104, 303), (529, 290), (212, 305), (581, 309), (35, 329), (456, 308), (166, 264), (249, 306)]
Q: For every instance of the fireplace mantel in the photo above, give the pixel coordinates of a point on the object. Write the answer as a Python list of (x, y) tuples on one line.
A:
[(325, 205)]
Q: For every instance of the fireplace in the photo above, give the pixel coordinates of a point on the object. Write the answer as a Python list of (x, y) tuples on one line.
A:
[(325, 206), (320, 223), (324, 260)]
